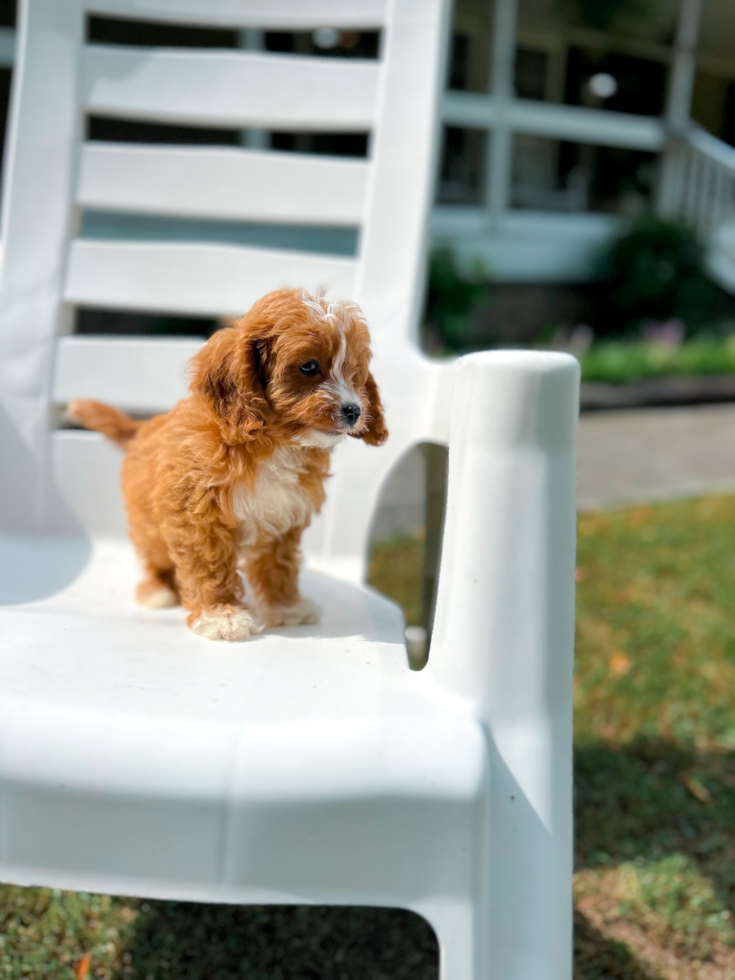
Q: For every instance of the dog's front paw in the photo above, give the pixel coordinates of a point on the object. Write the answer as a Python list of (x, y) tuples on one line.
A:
[(302, 613), (231, 623)]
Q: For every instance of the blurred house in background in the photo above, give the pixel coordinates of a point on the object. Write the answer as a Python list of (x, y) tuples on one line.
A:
[(561, 118)]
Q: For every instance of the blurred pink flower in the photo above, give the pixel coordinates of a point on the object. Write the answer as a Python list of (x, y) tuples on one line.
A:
[(668, 333), (576, 340)]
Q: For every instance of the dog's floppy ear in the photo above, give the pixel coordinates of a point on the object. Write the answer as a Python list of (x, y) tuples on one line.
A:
[(375, 432), (230, 373)]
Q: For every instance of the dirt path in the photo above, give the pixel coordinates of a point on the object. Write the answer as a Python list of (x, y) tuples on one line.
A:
[(655, 454)]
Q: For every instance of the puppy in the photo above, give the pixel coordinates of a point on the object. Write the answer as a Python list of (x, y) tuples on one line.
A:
[(232, 475)]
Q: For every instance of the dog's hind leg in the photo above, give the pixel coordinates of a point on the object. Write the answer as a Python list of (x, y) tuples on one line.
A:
[(157, 589)]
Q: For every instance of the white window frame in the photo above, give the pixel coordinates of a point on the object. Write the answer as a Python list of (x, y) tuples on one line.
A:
[(501, 115)]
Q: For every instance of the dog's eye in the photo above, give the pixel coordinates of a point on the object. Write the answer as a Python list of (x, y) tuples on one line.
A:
[(311, 367)]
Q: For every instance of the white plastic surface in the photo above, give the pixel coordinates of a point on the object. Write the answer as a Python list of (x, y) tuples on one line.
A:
[(222, 183), (143, 374), (235, 89), (192, 278), (277, 771), (309, 764), (276, 14)]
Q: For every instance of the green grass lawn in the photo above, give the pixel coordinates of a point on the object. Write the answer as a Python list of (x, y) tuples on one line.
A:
[(655, 733), (655, 797)]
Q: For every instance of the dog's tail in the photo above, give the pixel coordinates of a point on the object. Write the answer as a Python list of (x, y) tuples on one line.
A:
[(111, 422)]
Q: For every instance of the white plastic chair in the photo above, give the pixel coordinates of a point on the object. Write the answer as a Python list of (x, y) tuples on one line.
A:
[(309, 765)]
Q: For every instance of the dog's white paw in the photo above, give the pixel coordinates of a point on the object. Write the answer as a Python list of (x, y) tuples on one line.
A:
[(300, 614), (231, 623), (157, 598)]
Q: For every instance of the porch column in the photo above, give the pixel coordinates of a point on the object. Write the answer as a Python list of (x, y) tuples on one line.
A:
[(254, 139), (678, 108), (500, 135)]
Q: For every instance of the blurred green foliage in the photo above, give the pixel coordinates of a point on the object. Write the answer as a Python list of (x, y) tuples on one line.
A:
[(653, 271), (454, 296), (618, 362)]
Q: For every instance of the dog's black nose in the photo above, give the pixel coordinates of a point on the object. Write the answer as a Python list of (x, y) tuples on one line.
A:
[(351, 413)]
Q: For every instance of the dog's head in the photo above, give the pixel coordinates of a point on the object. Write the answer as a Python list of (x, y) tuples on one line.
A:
[(296, 364)]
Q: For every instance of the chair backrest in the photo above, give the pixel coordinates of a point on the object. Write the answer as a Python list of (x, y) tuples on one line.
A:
[(60, 479)]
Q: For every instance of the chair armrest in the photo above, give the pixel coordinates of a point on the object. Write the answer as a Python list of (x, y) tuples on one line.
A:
[(504, 634), (504, 625)]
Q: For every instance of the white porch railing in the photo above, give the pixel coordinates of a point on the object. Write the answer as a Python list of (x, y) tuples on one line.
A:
[(699, 189), (702, 184), (561, 122)]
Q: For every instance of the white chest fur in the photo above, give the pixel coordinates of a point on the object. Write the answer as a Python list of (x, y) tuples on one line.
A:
[(277, 502)]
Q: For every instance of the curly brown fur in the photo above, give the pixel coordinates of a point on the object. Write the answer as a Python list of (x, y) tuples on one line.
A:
[(233, 474), (116, 425)]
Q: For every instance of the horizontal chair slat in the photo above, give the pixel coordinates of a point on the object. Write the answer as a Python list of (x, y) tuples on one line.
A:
[(230, 88), (222, 183), (280, 14), (138, 373), (86, 474), (196, 279)]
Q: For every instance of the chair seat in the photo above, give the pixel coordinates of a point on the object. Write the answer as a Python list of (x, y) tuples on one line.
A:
[(139, 758)]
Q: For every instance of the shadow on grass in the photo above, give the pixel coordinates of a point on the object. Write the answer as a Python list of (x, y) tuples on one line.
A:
[(220, 942), (597, 957), (652, 798)]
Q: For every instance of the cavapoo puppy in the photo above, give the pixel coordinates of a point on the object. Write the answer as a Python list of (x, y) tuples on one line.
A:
[(231, 476)]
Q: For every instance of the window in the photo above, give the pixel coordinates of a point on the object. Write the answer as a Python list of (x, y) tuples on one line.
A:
[(462, 179), (565, 46), (713, 100), (554, 175), (471, 42)]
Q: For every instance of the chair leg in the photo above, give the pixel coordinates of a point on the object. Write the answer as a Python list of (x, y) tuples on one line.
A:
[(468, 950), (461, 942)]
